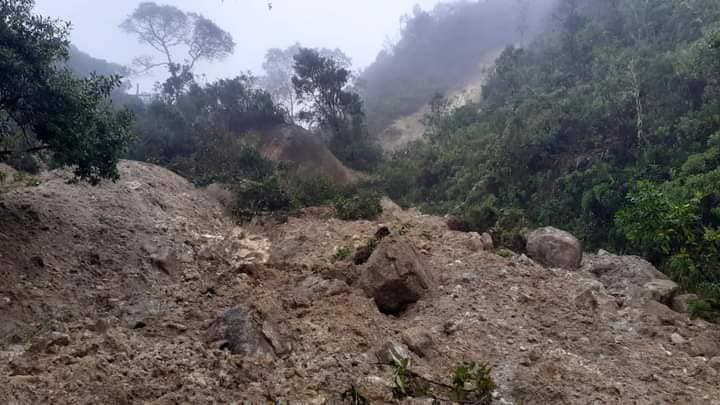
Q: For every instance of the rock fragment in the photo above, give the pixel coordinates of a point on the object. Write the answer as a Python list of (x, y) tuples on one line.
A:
[(555, 248)]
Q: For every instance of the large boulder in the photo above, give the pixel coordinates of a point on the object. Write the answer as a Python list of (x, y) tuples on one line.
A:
[(241, 330), (395, 276), (631, 277), (555, 248)]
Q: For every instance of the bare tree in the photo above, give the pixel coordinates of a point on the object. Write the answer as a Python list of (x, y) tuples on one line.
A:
[(180, 38)]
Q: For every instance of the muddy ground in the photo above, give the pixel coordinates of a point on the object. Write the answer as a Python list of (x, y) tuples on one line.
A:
[(108, 294)]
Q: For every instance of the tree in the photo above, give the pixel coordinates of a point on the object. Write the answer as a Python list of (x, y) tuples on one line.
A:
[(320, 83), (279, 70), (170, 31), (43, 107)]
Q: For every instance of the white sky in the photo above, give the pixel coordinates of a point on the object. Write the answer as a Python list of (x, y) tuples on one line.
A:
[(359, 27)]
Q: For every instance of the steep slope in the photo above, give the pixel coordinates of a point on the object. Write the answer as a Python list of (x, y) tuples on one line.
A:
[(297, 145), (411, 128), (96, 318)]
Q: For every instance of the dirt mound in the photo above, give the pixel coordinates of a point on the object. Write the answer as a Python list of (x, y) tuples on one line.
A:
[(95, 318), (295, 144)]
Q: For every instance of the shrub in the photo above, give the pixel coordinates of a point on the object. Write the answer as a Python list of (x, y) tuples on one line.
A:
[(257, 197), (363, 204)]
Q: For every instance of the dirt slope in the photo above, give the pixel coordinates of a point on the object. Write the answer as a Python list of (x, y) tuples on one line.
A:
[(295, 144), (94, 309), (409, 129)]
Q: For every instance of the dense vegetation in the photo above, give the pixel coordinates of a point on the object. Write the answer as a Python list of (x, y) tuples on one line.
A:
[(607, 125), (438, 50), (45, 108)]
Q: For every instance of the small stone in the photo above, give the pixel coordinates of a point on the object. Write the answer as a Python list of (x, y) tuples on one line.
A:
[(706, 345), (59, 339), (587, 300), (418, 340), (714, 363), (375, 389), (677, 339), (165, 260), (391, 351)]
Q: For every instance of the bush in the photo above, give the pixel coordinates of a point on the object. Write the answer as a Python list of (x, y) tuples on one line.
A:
[(258, 197), (362, 204)]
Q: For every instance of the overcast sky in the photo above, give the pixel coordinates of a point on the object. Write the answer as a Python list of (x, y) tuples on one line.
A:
[(358, 27)]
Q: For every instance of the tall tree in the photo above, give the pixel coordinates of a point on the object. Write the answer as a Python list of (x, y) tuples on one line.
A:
[(279, 70), (182, 39), (320, 83), (44, 107)]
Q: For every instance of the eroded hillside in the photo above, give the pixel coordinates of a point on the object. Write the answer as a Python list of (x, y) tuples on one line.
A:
[(142, 291)]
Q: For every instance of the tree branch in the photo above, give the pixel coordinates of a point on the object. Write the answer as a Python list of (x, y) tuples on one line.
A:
[(30, 150)]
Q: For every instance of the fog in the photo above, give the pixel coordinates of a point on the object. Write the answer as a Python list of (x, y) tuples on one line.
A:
[(359, 28)]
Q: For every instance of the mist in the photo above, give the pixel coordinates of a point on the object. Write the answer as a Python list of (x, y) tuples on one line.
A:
[(360, 29)]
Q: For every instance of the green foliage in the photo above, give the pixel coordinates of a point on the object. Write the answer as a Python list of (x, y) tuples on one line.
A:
[(343, 254), (320, 82), (357, 203), (353, 397), (257, 197), (44, 107), (472, 382), (611, 95)]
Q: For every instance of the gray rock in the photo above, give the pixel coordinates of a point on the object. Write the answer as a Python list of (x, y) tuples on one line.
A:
[(630, 277), (706, 345), (242, 331), (418, 340), (677, 339), (395, 276), (391, 351), (478, 243), (681, 303), (166, 260), (714, 363), (661, 290), (554, 248), (587, 301)]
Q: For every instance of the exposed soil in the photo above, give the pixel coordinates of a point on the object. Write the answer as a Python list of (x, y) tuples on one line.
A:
[(107, 295), (291, 143)]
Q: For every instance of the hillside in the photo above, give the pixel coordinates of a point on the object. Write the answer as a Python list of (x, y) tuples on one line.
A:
[(115, 294), (411, 128)]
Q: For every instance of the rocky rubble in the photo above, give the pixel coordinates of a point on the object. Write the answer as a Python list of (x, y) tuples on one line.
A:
[(267, 312)]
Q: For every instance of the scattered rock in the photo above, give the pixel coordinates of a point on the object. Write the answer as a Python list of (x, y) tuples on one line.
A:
[(315, 287), (375, 389), (714, 363), (395, 276), (478, 243), (392, 350), (677, 339), (240, 330), (706, 345), (660, 290), (363, 253), (418, 340), (555, 248), (630, 277), (165, 260), (587, 301), (49, 342), (681, 303)]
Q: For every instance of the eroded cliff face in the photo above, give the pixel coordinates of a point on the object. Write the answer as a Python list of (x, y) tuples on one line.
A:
[(142, 291), (411, 128)]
